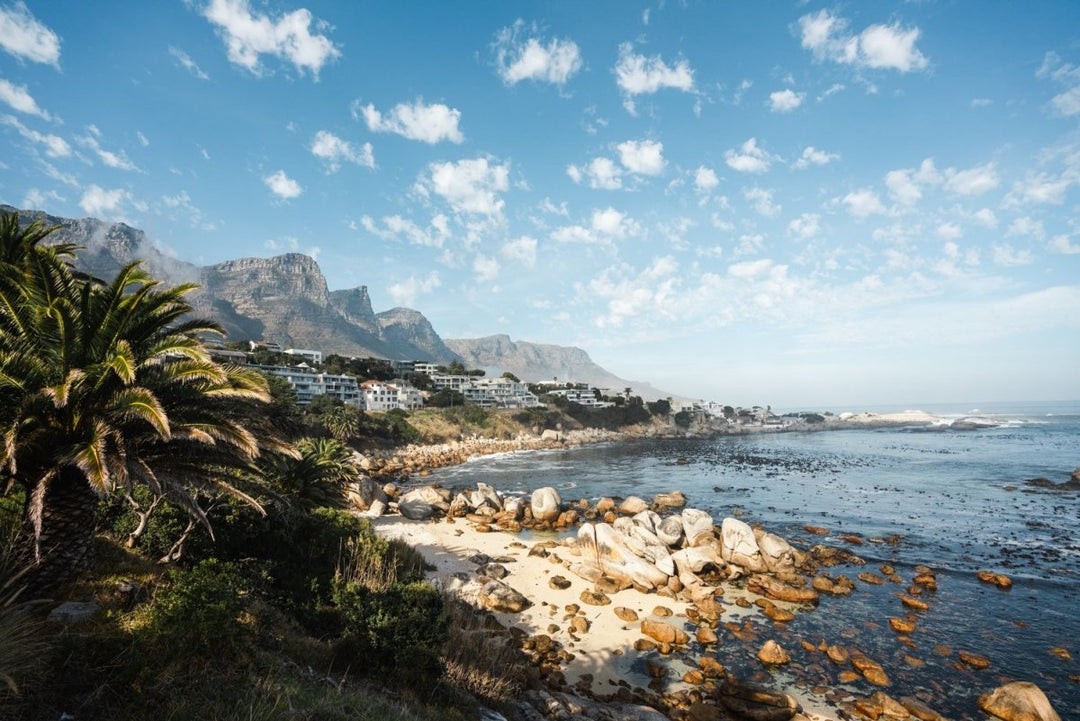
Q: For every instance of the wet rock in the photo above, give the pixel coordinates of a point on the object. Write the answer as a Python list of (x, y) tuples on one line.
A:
[(776, 552), (498, 596), (701, 711), (780, 591), (1018, 701), (673, 500), (974, 660), (998, 579), (920, 710), (915, 603), (663, 632), (756, 703), (871, 670), (1061, 653), (774, 612), (902, 625), (705, 636), (545, 504), (772, 654), (710, 667), (871, 578), (837, 654)]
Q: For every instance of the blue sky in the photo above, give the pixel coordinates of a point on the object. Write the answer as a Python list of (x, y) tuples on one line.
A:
[(801, 204)]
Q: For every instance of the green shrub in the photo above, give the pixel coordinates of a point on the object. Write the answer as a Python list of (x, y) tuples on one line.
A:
[(400, 630), (198, 614)]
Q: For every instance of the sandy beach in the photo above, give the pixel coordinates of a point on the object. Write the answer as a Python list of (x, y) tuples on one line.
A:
[(605, 653)]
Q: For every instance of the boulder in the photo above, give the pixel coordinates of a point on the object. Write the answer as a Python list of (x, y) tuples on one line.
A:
[(663, 632), (545, 504), (647, 520), (670, 531), (675, 499), (422, 503), (363, 492), (512, 507), (485, 495), (697, 526), (776, 552), (376, 509), (740, 546), (776, 589), (498, 596), (632, 506), (756, 703), (771, 653), (551, 435), (602, 546), (73, 612), (1018, 701)]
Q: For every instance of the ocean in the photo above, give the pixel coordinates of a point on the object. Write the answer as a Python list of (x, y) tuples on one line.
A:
[(954, 500)]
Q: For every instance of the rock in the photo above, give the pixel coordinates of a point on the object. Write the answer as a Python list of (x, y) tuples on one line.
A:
[(1062, 653), (377, 508), (604, 505), (974, 660), (485, 495), (739, 545), (498, 596), (550, 434), (663, 632), (772, 654), (559, 583), (780, 591), (595, 598), (756, 703), (648, 521), (579, 624), (362, 493), (73, 612), (700, 711), (871, 670), (837, 654), (902, 625), (697, 526), (626, 614), (602, 547), (915, 603), (422, 503), (670, 531), (890, 707), (705, 636), (998, 579), (545, 504), (920, 710), (494, 571), (632, 506), (673, 500), (776, 552), (1018, 701)]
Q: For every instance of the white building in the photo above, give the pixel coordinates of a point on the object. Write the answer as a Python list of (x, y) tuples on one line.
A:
[(582, 396), (500, 393), (455, 383), (425, 368), (315, 356), (308, 383), (377, 396)]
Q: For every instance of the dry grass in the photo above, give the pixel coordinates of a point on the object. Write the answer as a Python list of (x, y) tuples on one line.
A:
[(481, 657)]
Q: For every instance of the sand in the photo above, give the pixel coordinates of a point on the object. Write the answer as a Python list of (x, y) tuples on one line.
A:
[(606, 650)]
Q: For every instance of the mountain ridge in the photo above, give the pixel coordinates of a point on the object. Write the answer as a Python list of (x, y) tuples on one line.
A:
[(285, 299)]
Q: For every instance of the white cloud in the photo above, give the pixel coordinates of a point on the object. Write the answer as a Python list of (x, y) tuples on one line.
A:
[(1062, 244), (519, 58), (889, 47), (986, 218), (949, 231), (143, 140), (1026, 226), (282, 185), (108, 157), (187, 63), (973, 181), (644, 157), (784, 101), (640, 75), (902, 187), (981, 102), (521, 250), (705, 179), (1006, 255), (762, 201), (36, 199), (862, 203), (602, 174), (749, 158), (25, 37), (55, 146), (1067, 103), (394, 227), (806, 226), (407, 291), (485, 268), (614, 224), (104, 204), (417, 121), (550, 208), (248, 36), (335, 150), (470, 186), (814, 156), (19, 98), (1041, 188)]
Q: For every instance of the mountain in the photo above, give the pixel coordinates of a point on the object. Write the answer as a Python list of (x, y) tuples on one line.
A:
[(285, 299), (497, 354)]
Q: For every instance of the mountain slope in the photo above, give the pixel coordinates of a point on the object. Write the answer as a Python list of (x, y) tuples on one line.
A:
[(497, 354)]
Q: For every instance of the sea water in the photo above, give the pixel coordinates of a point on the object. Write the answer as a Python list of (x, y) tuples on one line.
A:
[(953, 500)]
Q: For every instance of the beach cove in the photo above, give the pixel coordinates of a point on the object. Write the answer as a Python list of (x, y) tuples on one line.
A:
[(841, 621)]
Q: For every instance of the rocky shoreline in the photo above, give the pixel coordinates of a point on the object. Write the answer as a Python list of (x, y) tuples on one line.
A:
[(621, 606)]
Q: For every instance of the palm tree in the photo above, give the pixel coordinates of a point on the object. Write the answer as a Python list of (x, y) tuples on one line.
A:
[(106, 385), (316, 478)]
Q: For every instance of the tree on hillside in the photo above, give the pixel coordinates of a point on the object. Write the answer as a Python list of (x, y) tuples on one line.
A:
[(510, 376), (106, 385)]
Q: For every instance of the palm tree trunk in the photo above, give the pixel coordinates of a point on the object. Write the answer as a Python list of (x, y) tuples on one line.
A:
[(62, 551)]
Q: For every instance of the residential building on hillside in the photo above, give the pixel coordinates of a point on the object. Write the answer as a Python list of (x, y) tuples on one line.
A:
[(582, 396), (224, 355), (309, 383), (425, 368), (500, 393), (454, 383), (315, 356), (379, 396)]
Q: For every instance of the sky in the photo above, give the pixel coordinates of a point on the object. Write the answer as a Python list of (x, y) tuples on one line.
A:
[(800, 204)]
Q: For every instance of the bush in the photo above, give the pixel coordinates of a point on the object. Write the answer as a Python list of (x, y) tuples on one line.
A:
[(198, 614), (683, 418), (399, 631)]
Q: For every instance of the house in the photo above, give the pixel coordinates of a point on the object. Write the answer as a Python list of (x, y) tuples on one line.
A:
[(315, 356), (380, 396), (500, 393), (308, 383)]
